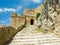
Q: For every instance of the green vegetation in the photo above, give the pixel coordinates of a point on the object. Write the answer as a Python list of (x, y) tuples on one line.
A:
[(38, 29), (37, 15), (41, 30)]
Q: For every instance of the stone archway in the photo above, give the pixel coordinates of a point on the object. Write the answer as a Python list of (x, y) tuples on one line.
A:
[(32, 22)]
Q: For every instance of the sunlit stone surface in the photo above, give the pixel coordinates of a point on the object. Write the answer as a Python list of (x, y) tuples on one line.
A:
[(29, 36)]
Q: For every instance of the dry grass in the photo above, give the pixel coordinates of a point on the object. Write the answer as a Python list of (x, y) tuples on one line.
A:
[(7, 34)]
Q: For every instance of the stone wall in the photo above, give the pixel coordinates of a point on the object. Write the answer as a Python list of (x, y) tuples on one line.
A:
[(18, 20)]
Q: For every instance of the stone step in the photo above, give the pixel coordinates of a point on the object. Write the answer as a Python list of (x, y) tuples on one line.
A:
[(33, 40), (24, 38)]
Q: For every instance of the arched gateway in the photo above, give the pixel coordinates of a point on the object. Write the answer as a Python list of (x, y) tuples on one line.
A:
[(32, 22)]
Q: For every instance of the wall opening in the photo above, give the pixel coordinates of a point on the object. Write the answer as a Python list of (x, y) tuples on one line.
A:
[(32, 22)]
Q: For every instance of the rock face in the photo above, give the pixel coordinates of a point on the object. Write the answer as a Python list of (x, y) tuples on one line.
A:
[(54, 13), (51, 15), (44, 23)]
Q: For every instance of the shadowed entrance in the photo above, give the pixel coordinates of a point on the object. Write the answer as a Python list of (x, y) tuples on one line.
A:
[(32, 22)]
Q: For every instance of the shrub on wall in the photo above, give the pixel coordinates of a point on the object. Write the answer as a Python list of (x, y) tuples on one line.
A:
[(37, 15)]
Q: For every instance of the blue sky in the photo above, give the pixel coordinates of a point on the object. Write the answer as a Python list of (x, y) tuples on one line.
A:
[(9, 6)]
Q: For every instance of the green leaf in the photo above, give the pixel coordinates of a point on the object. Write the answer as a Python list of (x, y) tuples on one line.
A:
[(37, 15)]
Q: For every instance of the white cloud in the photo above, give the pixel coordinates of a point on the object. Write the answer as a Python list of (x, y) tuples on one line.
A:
[(7, 10), (1, 10), (11, 9), (37, 1), (2, 21), (19, 7)]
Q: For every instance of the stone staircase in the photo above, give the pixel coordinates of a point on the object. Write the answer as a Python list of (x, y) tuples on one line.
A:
[(29, 36)]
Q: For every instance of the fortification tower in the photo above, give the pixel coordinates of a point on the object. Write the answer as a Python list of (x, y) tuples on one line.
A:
[(13, 19)]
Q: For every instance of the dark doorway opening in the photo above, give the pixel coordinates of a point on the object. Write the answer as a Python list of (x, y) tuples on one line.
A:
[(31, 22)]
